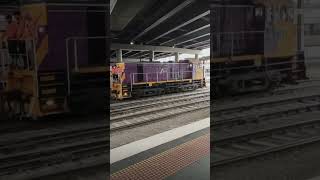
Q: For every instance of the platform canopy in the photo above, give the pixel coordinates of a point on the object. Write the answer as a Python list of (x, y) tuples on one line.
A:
[(172, 23)]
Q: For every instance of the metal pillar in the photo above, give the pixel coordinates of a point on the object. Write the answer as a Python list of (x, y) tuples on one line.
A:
[(119, 55), (300, 23), (176, 55), (151, 56), (197, 57)]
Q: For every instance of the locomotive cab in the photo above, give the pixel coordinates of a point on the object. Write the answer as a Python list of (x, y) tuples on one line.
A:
[(119, 90)]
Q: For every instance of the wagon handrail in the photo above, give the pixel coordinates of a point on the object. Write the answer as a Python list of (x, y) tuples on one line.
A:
[(180, 76), (75, 51)]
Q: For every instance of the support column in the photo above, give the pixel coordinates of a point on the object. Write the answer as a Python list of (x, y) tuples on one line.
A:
[(176, 55), (151, 56), (197, 57), (119, 55)]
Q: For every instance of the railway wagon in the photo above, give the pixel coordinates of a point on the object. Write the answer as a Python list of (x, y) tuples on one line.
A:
[(255, 44), (147, 79), (56, 64)]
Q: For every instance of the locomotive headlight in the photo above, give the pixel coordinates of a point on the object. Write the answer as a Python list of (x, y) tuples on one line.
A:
[(50, 102), (41, 29), (125, 94)]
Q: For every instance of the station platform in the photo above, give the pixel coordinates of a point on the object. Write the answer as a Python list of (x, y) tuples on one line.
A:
[(180, 153), (315, 178)]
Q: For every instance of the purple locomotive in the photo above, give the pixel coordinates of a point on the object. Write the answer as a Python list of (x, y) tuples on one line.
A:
[(145, 79)]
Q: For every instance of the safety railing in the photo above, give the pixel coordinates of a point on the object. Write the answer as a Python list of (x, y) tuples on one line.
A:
[(77, 45), (235, 43), (137, 78)]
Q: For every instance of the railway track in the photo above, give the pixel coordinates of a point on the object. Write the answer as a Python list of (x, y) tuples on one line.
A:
[(267, 126), (126, 104), (133, 113), (262, 111), (257, 143), (156, 113), (32, 157), (297, 89), (157, 103)]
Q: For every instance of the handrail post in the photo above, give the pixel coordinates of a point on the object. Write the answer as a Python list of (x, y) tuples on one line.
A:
[(76, 55), (34, 46), (68, 66), (157, 77), (132, 77), (27, 54), (232, 45)]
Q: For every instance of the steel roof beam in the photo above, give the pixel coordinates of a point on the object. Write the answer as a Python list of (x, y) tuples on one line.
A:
[(186, 34), (135, 54), (126, 53), (204, 35), (129, 47), (80, 4), (197, 43), (165, 55), (112, 5), (180, 26), (164, 18), (203, 46)]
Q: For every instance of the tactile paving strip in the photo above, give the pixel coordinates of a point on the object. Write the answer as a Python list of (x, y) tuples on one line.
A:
[(168, 162)]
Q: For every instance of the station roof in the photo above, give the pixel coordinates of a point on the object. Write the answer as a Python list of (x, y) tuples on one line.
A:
[(172, 23)]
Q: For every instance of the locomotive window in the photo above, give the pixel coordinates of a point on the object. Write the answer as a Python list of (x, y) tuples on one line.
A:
[(259, 11), (115, 78)]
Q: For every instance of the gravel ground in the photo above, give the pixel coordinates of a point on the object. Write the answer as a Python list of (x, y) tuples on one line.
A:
[(313, 67), (37, 128), (124, 137), (297, 164), (94, 173)]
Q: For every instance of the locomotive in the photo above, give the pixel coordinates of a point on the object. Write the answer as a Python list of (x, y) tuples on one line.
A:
[(131, 80), (255, 45), (59, 66)]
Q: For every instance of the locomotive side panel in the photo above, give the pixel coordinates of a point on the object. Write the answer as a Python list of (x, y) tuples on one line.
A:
[(144, 79), (59, 29), (280, 29), (237, 30)]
